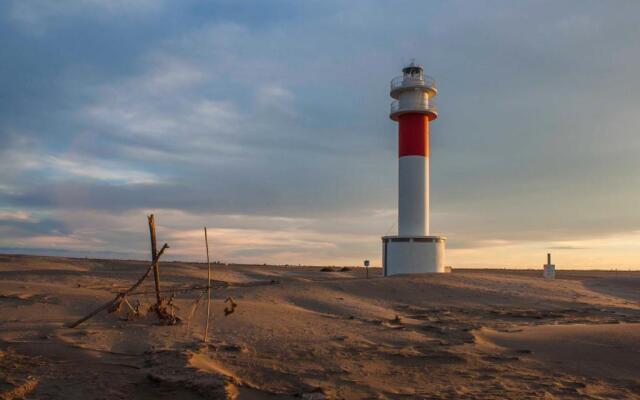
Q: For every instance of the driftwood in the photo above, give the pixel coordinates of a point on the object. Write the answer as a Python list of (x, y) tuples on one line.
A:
[(164, 315), (232, 306), (206, 327), (118, 299), (154, 258), (20, 391), (166, 310)]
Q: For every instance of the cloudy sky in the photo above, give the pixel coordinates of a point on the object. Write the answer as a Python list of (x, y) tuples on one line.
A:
[(268, 122)]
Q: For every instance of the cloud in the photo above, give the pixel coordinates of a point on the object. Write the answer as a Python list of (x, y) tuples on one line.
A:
[(275, 98), (14, 215), (22, 157), (106, 172), (22, 225), (279, 111), (36, 15), (567, 248)]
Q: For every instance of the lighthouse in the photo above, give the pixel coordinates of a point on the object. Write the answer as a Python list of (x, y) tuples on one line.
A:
[(413, 250)]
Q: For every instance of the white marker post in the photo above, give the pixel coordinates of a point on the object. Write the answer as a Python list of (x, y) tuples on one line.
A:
[(549, 269)]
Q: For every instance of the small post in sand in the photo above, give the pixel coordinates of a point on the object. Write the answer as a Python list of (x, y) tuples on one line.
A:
[(366, 267), (549, 271), (206, 328)]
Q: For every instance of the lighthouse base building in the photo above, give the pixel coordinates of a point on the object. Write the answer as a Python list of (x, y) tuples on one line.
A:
[(412, 254), (413, 250)]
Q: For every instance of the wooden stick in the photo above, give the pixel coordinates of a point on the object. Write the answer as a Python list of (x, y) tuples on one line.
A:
[(120, 296), (206, 328), (154, 257), (194, 308), (130, 306)]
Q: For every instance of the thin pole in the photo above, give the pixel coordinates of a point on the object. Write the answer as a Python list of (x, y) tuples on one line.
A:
[(206, 329), (154, 257)]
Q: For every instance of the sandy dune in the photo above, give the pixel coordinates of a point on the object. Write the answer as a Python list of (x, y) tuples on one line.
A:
[(299, 332)]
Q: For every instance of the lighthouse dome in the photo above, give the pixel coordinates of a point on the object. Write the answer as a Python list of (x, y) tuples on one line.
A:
[(413, 70)]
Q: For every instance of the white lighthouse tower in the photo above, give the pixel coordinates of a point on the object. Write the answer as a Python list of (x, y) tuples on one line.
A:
[(413, 250)]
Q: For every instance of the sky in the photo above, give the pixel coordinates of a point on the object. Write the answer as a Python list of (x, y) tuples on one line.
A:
[(268, 123)]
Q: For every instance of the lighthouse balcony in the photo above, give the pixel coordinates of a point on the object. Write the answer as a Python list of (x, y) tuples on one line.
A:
[(428, 108), (404, 82)]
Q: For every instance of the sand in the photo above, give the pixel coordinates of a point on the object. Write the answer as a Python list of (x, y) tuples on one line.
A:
[(299, 332)]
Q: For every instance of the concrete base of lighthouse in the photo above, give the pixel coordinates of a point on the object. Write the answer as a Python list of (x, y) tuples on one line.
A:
[(412, 254)]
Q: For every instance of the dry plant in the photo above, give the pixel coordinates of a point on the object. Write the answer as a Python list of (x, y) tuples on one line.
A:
[(232, 306)]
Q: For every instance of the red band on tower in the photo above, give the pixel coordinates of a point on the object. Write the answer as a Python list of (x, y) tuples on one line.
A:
[(413, 132)]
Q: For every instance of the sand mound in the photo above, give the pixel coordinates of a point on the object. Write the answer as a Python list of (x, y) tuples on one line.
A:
[(605, 351)]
